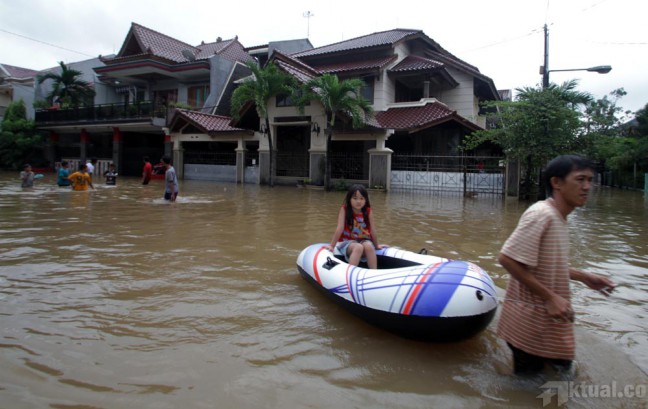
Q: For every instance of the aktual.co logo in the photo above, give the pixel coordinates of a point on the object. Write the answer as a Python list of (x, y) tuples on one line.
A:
[(565, 391)]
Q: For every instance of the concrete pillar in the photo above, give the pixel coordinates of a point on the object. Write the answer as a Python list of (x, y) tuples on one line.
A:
[(240, 162), (168, 145), (83, 145), (51, 150), (178, 159), (317, 166), (117, 148), (380, 167)]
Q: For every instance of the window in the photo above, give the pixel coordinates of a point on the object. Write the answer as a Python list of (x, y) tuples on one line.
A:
[(367, 91), (198, 95)]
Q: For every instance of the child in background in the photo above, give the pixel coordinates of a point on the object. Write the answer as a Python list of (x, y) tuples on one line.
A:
[(81, 179), (355, 236), (27, 176), (111, 175), (63, 174)]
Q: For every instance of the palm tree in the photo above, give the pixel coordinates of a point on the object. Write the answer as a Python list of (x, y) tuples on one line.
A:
[(337, 97), (264, 84), (67, 86)]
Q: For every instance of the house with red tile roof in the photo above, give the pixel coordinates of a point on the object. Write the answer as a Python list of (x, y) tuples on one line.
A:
[(16, 83), (137, 90), (425, 99)]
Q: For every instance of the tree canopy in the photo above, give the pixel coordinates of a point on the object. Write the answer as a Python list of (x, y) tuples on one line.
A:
[(263, 84), (67, 87), (18, 137)]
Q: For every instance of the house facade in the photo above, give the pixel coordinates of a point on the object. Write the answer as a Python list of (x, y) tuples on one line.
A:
[(425, 101), (136, 92)]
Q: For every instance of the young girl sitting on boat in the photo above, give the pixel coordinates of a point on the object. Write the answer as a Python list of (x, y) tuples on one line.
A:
[(355, 236)]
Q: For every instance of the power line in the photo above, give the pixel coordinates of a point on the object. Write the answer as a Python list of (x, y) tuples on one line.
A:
[(506, 40), (46, 43)]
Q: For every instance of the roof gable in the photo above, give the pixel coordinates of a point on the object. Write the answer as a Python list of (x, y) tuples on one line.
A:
[(143, 41), (12, 71), (152, 42), (425, 114), (206, 123), (384, 38)]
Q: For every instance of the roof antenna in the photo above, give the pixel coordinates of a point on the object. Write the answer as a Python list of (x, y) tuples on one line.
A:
[(308, 16)]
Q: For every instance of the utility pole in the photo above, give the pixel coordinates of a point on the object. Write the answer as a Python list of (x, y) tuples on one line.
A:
[(308, 15), (545, 67)]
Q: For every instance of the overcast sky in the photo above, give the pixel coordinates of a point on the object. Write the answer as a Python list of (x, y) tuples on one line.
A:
[(503, 38)]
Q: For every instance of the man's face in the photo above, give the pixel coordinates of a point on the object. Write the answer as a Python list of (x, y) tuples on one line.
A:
[(575, 187)]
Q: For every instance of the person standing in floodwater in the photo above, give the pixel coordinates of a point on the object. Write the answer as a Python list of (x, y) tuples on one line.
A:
[(81, 179), (63, 174), (170, 180), (537, 316), (147, 171), (111, 175), (27, 176)]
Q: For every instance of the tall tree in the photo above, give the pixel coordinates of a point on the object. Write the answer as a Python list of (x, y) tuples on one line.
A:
[(18, 137), (265, 83), (68, 87), (337, 98), (540, 124)]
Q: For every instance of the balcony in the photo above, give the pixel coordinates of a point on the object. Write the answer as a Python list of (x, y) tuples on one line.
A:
[(143, 111)]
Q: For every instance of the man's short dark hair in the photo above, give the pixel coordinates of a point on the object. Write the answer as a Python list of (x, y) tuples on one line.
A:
[(166, 159), (146, 158), (562, 166)]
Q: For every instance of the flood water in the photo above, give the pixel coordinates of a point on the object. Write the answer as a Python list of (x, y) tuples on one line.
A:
[(116, 299)]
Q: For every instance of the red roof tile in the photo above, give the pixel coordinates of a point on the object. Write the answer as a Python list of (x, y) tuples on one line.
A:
[(416, 63), (422, 116), (161, 45), (371, 40), (292, 66), (18, 72), (356, 65), (207, 122)]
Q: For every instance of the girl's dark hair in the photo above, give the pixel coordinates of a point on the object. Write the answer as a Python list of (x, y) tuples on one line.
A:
[(349, 210), (561, 166)]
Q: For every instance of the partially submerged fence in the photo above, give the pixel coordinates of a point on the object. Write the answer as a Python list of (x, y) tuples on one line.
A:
[(468, 175)]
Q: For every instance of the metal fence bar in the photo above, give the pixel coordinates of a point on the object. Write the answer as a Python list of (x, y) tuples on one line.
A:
[(294, 164)]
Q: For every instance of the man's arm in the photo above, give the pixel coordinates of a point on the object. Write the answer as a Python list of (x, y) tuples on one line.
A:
[(557, 306)]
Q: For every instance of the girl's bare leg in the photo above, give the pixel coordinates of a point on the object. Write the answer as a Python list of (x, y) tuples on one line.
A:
[(354, 252), (370, 254)]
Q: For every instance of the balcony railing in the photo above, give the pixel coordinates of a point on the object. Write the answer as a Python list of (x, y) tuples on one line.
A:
[(143, 110)]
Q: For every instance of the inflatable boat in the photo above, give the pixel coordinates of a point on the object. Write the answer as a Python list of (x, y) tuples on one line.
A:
[(411, 294)]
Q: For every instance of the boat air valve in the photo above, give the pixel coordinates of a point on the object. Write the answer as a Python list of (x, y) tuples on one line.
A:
[(479, 295), (329, 263)]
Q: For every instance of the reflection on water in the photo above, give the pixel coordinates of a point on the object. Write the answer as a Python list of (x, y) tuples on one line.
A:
[(115, 298)]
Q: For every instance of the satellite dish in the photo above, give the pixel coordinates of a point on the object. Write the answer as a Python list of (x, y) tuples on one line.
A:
[(189, 55)]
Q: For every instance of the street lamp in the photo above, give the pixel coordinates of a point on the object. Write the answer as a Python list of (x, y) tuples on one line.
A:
[(544, 69)]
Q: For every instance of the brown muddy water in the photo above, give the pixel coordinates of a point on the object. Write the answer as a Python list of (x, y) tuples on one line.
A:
[(116, 299)]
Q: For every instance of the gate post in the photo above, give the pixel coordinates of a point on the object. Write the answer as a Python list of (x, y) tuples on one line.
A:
[(380, 167)]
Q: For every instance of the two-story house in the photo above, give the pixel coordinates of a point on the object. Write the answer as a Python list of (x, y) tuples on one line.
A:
[(425, 101), (135, 90)]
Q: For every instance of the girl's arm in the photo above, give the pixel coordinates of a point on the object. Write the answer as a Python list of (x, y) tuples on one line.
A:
[(339, 229)]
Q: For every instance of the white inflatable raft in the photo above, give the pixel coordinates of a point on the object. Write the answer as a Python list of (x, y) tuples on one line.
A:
[(414, 295)]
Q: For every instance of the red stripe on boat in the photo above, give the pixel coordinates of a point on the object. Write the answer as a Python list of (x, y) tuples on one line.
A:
[(347, 281), (417, 289), (317, 277)]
